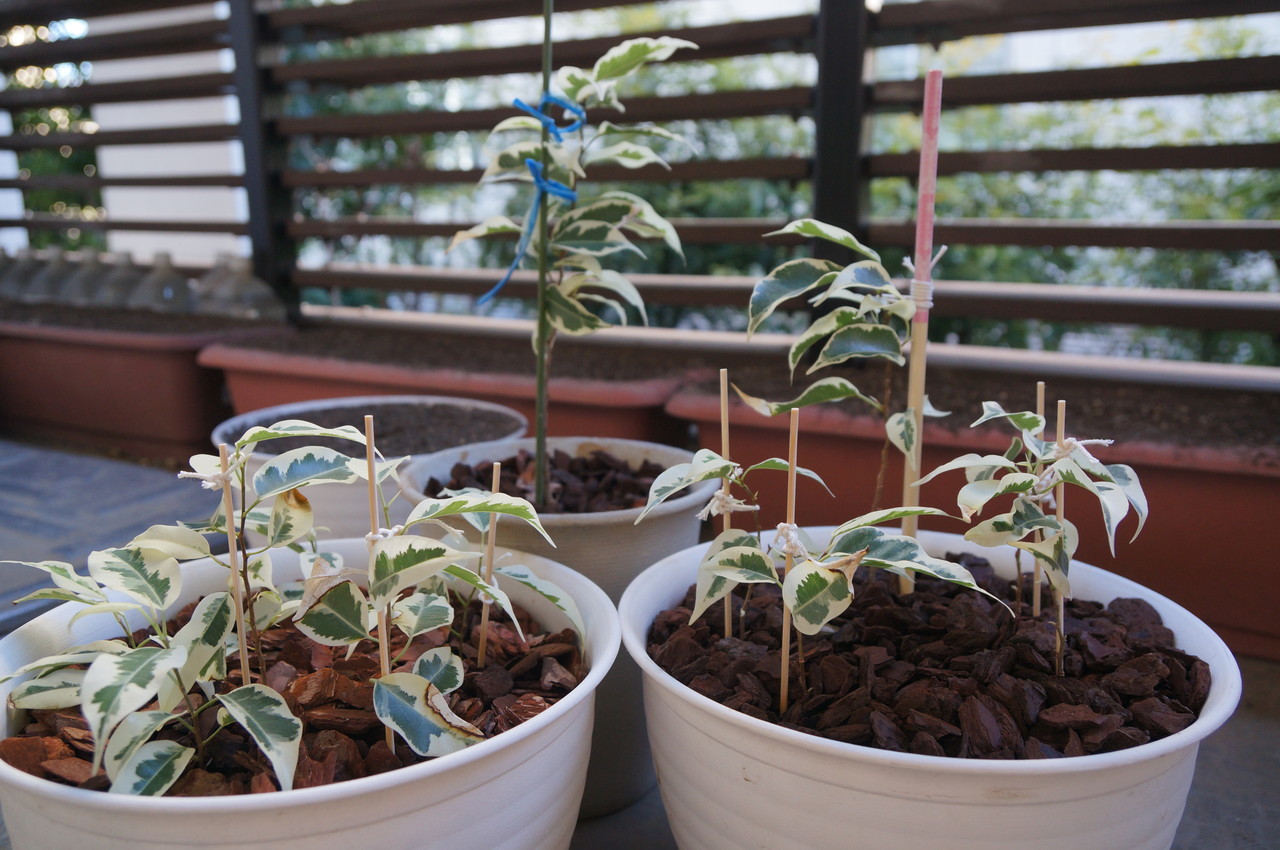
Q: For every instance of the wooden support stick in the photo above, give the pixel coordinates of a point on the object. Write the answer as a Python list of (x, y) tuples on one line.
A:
[(233, 555), (384, 622), (727, 516), (785, 685), (1060, 498), (922, 293), (1038, 571), (490, 545)]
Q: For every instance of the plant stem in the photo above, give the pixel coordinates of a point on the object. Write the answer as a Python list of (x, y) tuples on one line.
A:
[(882, 472), (489, 545), (237, 589), (384, 618), (542, 343)]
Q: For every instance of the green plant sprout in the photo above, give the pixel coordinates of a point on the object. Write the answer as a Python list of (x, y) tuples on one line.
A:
[(1034, 471), (568, 236), (129, 689)]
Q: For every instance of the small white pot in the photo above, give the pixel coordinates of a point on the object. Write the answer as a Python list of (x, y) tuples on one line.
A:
[(344, 510), (611, 550), (731, 781), (519, 790)]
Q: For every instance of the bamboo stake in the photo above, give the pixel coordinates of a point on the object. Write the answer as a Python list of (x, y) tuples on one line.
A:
[(1038, 575), (1060, 498), (785, 686), (724, 485), (922, 293), (490, 544), (384, 622), (233, 556)]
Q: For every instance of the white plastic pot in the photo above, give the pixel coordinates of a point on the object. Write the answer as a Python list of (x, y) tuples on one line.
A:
[(731, 781), (344, 510), (518, 790), (611, 550)]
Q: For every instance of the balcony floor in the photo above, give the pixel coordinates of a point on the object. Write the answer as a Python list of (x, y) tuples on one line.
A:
[(58, 504)]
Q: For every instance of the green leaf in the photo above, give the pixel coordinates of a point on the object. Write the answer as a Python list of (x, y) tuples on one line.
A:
[(814, 229), (172, 540), (1025, 518), (824, 390), (441, 668), (643, 212), (265, 715), (858, 280), (401, 562), (970, 461), (507, 164), (705, 465), (1114, 507), (1055, 553), (974, 495), (291, 518), (860, 341), (416, 709), (153, 769), (593, 238), (477, 502), (146, 575), (627, 57), (780, 465), (205, 639), (116, 685), (792, 278), (900, 428), (134, 731), (569, 315), (59, 689), (517, 122), (627, 155), (421, 612), (105, 608), (548, 590), (712, 587), (609, 281), (75, 587), (608, 128), (816, 595), (339, 617), (744, 565), (877, 517), (823, 327), (299, 428), (1023, 420), (491, 591), (311, 465)]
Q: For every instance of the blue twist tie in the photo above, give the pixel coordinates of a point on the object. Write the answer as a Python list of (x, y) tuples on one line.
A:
[(555, 130), (545, 186)]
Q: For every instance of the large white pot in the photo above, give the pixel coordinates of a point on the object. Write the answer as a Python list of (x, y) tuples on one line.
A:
[(611, 550), (519, 790), (344, 510), (731, 781)]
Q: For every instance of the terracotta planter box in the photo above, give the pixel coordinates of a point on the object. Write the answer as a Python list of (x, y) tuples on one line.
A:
[(1197, 497), (632, 410), (142, 393)]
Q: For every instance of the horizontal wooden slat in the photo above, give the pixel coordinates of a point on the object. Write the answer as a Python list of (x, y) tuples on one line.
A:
[(1211, 76), (704, 230), (737, 104), (50, 222), (936, 21), (16, 12), (1058, 233), (90, 184), (151, 136), (372, 16), (793, 168), (131, 91), (161, 41), (714, 42), (1264, 155)]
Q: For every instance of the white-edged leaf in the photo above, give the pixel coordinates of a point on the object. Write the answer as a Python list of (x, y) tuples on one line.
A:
[(338, 618), (933, 412), (152, 769), (1127, 480), (85, 654), (1055, 553), (643, 213), (440, 667), (813, 229), (1115, 506), (75, 587), (792, 278), (625, 58), (300, 428), (265, 715), (780, 465), (712, 587), (305, 466), (859, 341), (516, 122), (496, 225), (116, 685), (975, 495), (883, 515), (826, 389), (172, 540), (105, 608), (291, 518), (134, 731), (970, 461), (548, 590), (816, 595), (627, 155), (147, 575), (1023, 420), (417, 711), (491, 591), (1025, 518), (705, 465), (421, 612), (401, 562), (900, 428), (477, 502), (59, 689), (570, 316)]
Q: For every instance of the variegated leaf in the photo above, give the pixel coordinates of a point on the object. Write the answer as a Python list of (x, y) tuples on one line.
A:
[(792, 278), (291, 518), (76, 587), (822, 328), (400, 562), (900, 428), (970, 461), (172, 540), (1127, 480), (496, 225), (712, 587), (421, 612), (705, 465), (477, 502), (85, 654), (1025, 518), (265, 715), (644, 214), (490, 591), (625, 58), (153, 769), (780, 465), (877, 517), (816, 595), (1023, 420), (975, 495), (134, 731), (826, 389), (608, 128), (205, 639), (300, 428), (593, 238), (628, 155), (440, 667), (105, 608), (267, 607), (416, 709), (59, 689), (548, 590), (1114, 508), (516, 122), (813, 229), (339, 617), (116, 685), (570, 316), (310, 465), (149, 576), (859, 279), (859, 341), (1055, 553)]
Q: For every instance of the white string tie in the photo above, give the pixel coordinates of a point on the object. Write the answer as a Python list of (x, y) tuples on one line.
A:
[(373, 537), (1070, 445), (723, 503), (209, 480), (788, 542), (922, 290)]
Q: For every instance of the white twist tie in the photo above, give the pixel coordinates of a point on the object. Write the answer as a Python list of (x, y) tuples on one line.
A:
[(788, 542), (209, 480), (373, 537), (922, 290), (723, 503), (1070, 445)]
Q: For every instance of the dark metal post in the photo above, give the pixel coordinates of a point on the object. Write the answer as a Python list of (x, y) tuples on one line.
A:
[(269, 200), (840, 192)]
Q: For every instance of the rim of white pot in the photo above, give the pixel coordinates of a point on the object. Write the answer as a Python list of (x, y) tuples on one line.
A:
[(413, 477), (1224, 693), (603, 647), (230, 430)]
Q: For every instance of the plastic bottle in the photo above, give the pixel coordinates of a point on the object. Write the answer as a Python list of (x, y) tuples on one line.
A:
[(120, 281), (164, 289), (45, 283), (79, 286)]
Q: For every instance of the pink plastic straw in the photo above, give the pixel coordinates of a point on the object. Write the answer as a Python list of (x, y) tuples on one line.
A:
[(928, 182)]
